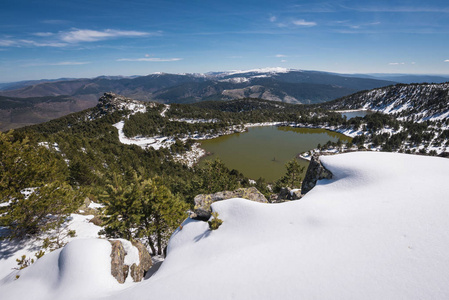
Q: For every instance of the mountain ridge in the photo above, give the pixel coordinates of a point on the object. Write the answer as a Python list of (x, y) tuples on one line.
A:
[(422, 101), (208, 86)]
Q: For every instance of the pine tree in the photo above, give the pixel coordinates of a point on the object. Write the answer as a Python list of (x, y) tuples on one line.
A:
[(137, 208), (293, 176), (33, 192)]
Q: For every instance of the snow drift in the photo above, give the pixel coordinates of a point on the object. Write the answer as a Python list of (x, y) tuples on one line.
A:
[(378, 230)]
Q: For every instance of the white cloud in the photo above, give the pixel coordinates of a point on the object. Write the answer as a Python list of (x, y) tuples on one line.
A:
[(447, 60), (43, 34), (7, 43), (40, 44), (70, 63), (74, 36), (303, 22), (283, 61), (280, 55), (396, 63), (61, 63), (87, 35), (273, 19), (55, 22), (154, 59), (25, 43), (282, 25)]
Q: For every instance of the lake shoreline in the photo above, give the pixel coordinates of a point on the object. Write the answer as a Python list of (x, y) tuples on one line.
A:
[(197, 153)]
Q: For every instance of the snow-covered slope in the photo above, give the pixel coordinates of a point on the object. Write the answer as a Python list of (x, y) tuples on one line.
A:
[(378, 230), (421, 101)]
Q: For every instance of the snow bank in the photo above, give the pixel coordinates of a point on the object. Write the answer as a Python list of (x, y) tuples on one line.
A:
[(378, 230), (12, 250), (80, 270)]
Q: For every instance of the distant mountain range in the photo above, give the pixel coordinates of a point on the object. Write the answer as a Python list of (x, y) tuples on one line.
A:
[(30, 102), (406, 78), (278, 84)]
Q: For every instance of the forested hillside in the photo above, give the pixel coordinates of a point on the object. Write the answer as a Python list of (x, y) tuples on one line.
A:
[(420, 101)]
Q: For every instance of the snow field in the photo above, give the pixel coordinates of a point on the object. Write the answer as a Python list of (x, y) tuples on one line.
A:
[(378, 230)]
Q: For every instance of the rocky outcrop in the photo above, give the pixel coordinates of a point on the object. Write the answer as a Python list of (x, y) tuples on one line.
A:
[(289, 194), (316, 171), (110, 102), (120, 270), (138, 271), (203, 211)]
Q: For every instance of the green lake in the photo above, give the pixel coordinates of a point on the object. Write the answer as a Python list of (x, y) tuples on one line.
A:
[(263, 151)]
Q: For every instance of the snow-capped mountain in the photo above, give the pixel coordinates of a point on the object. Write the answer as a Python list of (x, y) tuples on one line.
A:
[(420, 101), (279, 84)]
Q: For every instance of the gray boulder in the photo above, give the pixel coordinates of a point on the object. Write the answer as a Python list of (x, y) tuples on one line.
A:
[(316, 171), (138, 271), (120, 270), (289, 194), (203, 211)]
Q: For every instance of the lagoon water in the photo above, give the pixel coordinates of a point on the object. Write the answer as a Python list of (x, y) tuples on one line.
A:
[(263, 151), (355, 113)]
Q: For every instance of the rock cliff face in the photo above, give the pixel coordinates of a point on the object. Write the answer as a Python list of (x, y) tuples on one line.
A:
[(316, 171), (202, 202)]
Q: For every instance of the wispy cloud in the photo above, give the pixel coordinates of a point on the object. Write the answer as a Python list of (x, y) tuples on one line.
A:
[(273, 19), (150, 59), (71, 37), (25, 43), (399, 9), (7, 43), (54, 22), (317, 7), (61, 63), (396, 63), (280, 55), (40, 44), (87, 35), (447, 60), (70, 63), (303, 22), (283, 61), (43, 34)]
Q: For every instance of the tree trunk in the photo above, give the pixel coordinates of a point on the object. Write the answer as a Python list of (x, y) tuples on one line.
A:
[(158, 235), (151, 243)]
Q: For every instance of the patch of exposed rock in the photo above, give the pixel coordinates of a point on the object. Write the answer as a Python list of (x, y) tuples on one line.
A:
[(289, 194), (110, 102), (316, 171), (203, 210), (138, 271), (120, 270)]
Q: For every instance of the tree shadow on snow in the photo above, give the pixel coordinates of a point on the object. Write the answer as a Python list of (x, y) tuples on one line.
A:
[(202, 236), (8, 248), (153, 269)]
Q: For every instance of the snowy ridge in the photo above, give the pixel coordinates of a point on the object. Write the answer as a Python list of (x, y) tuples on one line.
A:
[(261, 70), (421, 101), (372, 232)]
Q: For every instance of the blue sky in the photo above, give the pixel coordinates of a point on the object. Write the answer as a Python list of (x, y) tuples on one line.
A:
[(87, 38)]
